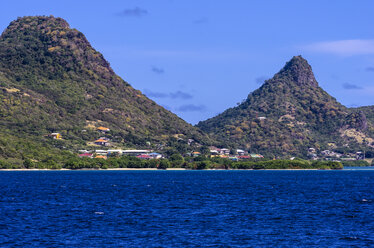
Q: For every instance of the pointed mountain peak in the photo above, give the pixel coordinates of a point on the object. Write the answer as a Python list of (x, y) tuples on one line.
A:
[(71, 86), (28, 23), (29, 38), (299, 71)]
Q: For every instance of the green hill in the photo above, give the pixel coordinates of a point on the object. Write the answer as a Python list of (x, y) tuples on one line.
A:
[(289, 114), (52, 80)]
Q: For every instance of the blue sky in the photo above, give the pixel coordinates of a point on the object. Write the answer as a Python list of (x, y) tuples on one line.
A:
[(200, 57)]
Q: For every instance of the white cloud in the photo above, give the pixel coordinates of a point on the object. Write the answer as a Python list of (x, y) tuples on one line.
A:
[(343, 47)]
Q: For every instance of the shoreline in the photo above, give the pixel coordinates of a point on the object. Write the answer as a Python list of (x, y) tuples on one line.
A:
[(168, 169)]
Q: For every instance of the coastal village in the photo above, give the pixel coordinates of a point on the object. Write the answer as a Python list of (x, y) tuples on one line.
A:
[(103, 148)]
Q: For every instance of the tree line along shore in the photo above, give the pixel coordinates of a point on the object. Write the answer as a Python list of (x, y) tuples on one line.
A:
[(174, 161)]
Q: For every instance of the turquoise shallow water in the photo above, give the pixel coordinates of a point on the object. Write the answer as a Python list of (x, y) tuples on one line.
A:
[(187, 208)]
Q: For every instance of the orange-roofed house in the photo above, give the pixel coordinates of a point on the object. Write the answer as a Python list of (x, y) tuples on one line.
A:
[(196, 154), (101, 142), (101, 156), (103, 129)]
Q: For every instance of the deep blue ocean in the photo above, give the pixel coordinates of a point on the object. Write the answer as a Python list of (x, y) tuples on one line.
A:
[(187, 208)]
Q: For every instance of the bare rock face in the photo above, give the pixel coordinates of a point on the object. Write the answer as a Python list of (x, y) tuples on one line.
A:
[(358, 121), (300, 71)]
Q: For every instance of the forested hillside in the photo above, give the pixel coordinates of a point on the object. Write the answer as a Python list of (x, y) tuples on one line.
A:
[(288, 114), (52, 80)]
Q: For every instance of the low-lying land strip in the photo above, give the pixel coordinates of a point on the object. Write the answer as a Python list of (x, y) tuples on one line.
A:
[(176, 162)]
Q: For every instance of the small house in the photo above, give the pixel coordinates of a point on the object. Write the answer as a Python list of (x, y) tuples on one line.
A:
[(101, 142), (312, 150), (234, 158), (101, 152), (114, 153), (196, 154), (83, 151), (244, 157), (56, 136), (213, 150), (256, 155), (135, 152), (103, 129), (225, 151), (155, 155), (240, 152)]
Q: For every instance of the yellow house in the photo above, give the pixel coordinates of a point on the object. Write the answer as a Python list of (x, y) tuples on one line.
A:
[(56, 135)]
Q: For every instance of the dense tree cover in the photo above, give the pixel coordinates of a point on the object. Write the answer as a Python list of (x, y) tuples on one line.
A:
[(51, 79), (17, 150), (288, 114), (356, 163), (175, 161)]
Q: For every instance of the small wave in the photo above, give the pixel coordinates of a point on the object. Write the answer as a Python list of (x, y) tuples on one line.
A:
[(350, 238), (99, 213)]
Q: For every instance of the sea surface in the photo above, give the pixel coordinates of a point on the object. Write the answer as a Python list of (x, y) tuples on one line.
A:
[(187, 208)]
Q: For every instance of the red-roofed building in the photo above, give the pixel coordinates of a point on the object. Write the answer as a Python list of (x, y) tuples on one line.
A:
[(244, 157), (86, 155), (144, 156)]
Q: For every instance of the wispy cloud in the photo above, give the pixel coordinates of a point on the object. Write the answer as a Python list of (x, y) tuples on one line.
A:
[(201, 20), (135, 12), (370, 68), (349, 86), (181, 95), (343, 47), (191, 108), (172, 95), (157, 70)]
